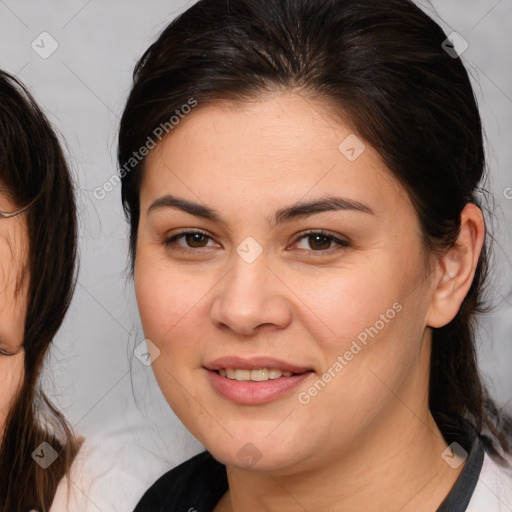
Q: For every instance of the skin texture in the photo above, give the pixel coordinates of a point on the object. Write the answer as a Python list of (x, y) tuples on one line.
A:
[(367, 440), (13, 303)]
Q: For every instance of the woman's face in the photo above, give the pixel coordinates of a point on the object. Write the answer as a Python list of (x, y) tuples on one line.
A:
[(13, 303), (254, 295)]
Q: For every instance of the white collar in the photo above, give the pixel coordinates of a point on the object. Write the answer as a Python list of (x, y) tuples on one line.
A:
[(493, 492)]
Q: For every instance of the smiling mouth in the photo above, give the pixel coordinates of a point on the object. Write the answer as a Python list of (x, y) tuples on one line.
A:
[(256, 375)]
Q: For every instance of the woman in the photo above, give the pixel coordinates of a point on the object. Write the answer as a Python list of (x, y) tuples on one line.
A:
[(308, 252), (38, 238)]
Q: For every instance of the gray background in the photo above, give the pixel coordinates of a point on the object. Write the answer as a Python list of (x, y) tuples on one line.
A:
[(83, 85)]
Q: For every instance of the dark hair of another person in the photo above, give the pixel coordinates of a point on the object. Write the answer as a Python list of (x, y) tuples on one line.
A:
[(34, 170), (378, 66)]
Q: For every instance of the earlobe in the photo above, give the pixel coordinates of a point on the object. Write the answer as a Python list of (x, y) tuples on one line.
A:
[(457, 268)]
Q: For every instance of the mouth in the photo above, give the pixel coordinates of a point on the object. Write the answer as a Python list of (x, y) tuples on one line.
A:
[(255, 381), (256, 375)]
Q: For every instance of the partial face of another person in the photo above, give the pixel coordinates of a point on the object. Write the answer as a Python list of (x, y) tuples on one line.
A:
[(244, 282), (13, 302)]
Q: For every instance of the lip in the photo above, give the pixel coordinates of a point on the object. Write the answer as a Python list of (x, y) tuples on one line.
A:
[(252, 392), (254, 363)]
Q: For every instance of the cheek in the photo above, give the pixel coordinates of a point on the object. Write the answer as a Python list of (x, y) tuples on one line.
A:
[(173, 308), (165, 296), (11, 375), (348, 304), (13, 302), (12, 319), (368, 326), (172, 316)]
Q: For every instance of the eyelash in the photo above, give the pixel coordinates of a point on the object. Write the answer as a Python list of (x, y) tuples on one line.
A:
[(342, 244)]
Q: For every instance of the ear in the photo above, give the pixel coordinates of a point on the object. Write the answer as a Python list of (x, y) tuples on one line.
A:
[(456, 268)]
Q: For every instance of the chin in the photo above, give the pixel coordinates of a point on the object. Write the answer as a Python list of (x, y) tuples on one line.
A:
[(258, 452)]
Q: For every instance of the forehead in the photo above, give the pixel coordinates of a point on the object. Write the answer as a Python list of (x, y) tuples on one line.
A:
[(283, 147)]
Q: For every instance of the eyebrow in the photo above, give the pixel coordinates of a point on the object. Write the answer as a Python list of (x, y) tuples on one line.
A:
[(287, 214)]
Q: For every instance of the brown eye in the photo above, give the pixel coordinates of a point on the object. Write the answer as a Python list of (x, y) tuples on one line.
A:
[(196, 239), (192, 240), (320, 241)]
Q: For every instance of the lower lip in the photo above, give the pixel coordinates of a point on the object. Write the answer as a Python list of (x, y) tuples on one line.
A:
[(253, 392)]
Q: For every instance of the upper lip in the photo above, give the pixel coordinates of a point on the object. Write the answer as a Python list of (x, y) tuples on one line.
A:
[(254, 363)]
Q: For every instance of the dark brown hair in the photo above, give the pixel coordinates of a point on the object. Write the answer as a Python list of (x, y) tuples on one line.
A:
[(34, 170), (378, 65)]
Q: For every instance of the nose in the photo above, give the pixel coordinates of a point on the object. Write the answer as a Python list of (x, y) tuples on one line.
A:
[(250, 298)]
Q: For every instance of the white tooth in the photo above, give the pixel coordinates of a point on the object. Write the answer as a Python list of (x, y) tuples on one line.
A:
[(230, 373), (259, 375), (274, 373), (242, 374), (222, 371), (287, 374)]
